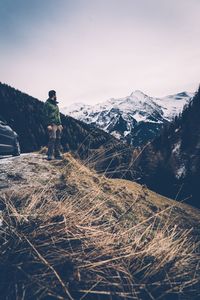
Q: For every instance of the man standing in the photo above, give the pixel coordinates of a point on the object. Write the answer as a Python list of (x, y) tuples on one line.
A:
[(54, 126)]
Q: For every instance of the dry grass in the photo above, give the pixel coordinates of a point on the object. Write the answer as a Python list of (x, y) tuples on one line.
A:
[(94, 238)]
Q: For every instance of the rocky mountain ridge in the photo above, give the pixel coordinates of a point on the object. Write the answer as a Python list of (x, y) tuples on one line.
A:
[(135, 119)]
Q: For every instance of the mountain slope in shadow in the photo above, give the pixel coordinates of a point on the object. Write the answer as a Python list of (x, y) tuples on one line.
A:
[(170, 165)]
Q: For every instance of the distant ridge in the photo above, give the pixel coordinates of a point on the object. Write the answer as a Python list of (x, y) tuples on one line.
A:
[(135, 119)]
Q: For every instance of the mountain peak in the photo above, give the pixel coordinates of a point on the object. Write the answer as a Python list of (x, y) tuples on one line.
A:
[(180, 95), (138, 94), (148, 113)]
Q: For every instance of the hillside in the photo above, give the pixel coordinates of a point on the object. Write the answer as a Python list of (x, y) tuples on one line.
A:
[(25, 115), (159, 164), (170, 165), (68, 233), (135, 119)]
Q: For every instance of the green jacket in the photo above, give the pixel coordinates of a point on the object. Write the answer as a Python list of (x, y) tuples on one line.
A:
[(51, 112)]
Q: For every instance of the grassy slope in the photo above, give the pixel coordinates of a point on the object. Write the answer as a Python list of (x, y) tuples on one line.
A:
[(69, 233)]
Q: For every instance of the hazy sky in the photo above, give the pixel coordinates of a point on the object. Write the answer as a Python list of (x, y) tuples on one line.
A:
[(92, 50)]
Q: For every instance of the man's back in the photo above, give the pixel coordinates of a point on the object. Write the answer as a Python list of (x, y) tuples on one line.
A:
[(52, 113)]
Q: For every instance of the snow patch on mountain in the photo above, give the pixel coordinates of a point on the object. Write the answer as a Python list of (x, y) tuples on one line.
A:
[(137, 115)]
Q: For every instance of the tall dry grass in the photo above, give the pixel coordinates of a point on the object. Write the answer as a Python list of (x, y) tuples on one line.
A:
[(86, 239)]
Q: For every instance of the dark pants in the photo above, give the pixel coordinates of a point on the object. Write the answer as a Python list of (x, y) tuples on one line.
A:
[(54, 146)]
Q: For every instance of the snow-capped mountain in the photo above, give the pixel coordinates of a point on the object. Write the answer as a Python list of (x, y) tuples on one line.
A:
[(135, 119), (171, 164)]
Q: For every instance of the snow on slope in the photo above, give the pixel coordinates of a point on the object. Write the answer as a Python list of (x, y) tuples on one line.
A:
[(137, 117), (173, 105)]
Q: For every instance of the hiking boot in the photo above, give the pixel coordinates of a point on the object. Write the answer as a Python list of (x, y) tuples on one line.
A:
[(49, 157), (59, 156)]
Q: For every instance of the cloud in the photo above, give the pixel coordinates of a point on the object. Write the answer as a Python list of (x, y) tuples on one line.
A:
[(90, 50)]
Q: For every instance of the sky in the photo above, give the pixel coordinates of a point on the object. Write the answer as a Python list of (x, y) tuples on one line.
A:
[(93, 50)]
